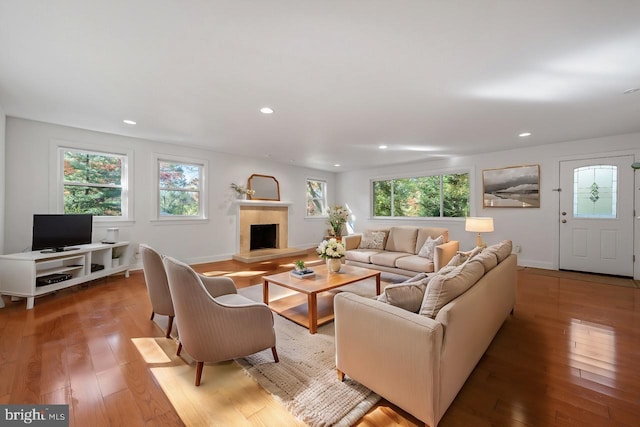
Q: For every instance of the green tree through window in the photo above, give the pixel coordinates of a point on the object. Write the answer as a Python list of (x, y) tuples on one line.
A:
[(93, 183), (316, 197), (180, 189), (426, 196)]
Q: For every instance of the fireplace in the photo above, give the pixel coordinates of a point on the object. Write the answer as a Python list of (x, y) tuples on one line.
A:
[(263, 236), (256, 214)]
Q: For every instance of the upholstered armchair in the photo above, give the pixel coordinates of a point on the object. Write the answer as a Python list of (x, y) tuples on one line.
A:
[(157, 285), (215, 323)]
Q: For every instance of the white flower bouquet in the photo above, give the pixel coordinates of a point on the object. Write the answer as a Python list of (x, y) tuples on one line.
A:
[(330, 249)]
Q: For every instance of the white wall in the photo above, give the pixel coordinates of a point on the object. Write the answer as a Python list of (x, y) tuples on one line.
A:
[(534, 229), (2, 176), (27, 169)]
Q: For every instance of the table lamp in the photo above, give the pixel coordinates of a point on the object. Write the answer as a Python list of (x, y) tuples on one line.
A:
[(479, 225)]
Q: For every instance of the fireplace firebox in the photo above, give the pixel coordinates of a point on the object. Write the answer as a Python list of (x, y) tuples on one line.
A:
[(263, 236)]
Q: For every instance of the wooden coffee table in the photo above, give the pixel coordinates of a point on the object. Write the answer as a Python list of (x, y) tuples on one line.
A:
[(317, 308)]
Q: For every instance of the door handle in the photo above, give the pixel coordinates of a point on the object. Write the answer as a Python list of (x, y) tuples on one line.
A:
[(564, 221), (564, 213)]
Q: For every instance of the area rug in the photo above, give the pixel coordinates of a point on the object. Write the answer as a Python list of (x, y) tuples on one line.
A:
[(304, 381)]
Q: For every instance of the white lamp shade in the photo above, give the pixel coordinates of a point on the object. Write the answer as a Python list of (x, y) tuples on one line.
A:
[(478, 224)]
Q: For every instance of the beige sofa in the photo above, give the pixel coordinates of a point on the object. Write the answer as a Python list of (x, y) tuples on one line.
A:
[(400, 249), (417, 362)]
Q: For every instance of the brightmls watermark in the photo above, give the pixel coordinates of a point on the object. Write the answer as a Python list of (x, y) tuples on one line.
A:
[(36, 415)]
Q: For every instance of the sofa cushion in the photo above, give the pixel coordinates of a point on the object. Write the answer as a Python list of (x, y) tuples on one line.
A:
[(444, 288), (407, 295), (402, 239), (433, 232), (387, 258), (361, 255), (429, 247), (487, 258), (372, 240), (502, 249), (415, 263)]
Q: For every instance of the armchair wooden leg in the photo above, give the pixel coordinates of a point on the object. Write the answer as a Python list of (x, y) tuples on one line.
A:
[(340, 375), (169, 326), (179, 348), (275, 354), (199, 367), (152, 314)]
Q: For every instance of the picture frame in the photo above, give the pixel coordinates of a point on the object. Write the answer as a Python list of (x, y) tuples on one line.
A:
[(511, 187)]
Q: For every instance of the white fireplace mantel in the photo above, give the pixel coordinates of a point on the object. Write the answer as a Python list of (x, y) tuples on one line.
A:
[(242, 202)]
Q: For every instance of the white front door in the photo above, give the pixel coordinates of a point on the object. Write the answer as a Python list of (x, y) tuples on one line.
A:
[(596, 215)]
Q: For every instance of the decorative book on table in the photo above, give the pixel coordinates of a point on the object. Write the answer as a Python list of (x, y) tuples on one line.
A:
[(307, 272)]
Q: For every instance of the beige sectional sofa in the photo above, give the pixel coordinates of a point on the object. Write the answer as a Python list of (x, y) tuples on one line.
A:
[(420, 361), (398, 249)]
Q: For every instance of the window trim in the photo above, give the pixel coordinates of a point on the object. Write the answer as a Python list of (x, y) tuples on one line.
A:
[(179, 219), (435, 172), (326, 199), (56, 178)]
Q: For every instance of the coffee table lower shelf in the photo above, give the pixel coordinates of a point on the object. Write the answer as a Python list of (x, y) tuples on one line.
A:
[(296, 308)]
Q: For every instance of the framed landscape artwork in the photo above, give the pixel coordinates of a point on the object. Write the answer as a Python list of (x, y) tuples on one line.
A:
[(511, 187)]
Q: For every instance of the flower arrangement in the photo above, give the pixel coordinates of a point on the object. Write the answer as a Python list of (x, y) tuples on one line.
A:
[(330, 249), (338, 216), (300, 265), (242, 190)]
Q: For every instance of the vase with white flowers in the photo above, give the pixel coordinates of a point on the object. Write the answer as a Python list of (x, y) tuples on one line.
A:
[(332, 251), (337, 218), (242, 191)]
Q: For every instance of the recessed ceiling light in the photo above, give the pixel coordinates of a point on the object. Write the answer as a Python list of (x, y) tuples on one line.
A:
[(523, 134), (383, 147), (129, 122), (266, 110), (632, 90), (337, 165)]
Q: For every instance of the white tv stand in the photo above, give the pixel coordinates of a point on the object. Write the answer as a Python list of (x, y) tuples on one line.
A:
[(19, 272)]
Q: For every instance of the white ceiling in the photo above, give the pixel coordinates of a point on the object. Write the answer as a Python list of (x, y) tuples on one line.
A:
[(427, 78)]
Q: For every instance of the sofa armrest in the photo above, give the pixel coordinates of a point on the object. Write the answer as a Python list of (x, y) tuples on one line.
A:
[(391, 351), (444, 253), (352, 241)]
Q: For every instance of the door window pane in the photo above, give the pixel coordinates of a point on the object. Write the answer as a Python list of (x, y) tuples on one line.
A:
[(595, 191)]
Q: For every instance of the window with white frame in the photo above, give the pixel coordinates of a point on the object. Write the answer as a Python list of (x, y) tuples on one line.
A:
[(443, 195), (94, 183), (316, 197), (180, 189)]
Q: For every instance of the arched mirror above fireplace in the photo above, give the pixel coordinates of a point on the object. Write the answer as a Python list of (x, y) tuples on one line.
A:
[(266, 187)]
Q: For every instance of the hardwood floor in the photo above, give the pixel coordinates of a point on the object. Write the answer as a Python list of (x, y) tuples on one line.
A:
[(569, 356)]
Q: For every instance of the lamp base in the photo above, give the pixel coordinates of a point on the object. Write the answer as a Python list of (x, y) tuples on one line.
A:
[(479, 242)]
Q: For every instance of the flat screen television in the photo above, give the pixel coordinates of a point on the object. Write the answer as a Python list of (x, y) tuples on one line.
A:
[(57, 232)]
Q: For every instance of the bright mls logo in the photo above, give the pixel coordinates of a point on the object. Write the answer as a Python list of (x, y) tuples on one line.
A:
[(37, 415)]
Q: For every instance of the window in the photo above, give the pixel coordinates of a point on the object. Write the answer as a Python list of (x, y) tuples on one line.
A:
[(595, 191), (316, 197), (94, 183), (444, 195), (180, 189)]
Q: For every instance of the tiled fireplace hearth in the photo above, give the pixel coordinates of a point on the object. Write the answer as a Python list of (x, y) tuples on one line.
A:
[(257, 212)]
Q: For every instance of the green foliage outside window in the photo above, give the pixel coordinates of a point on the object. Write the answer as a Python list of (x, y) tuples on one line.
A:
[(179, 189), (427, 196), (92, 183), (316, 197)]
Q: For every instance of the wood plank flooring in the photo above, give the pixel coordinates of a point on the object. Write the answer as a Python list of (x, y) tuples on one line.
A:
[(569, 356)]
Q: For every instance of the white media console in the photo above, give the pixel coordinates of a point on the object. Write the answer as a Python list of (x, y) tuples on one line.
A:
[(20, 272)]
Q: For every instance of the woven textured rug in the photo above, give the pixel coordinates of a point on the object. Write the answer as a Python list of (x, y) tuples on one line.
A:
[(304, 381)]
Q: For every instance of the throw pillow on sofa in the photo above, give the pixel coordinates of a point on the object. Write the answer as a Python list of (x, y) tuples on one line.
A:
[(402, 298), (444, 288), (408, 296), (372, 240), (502, 249), (429, 247)]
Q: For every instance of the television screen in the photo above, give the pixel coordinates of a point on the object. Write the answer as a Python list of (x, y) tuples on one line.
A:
[(57, 231)]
